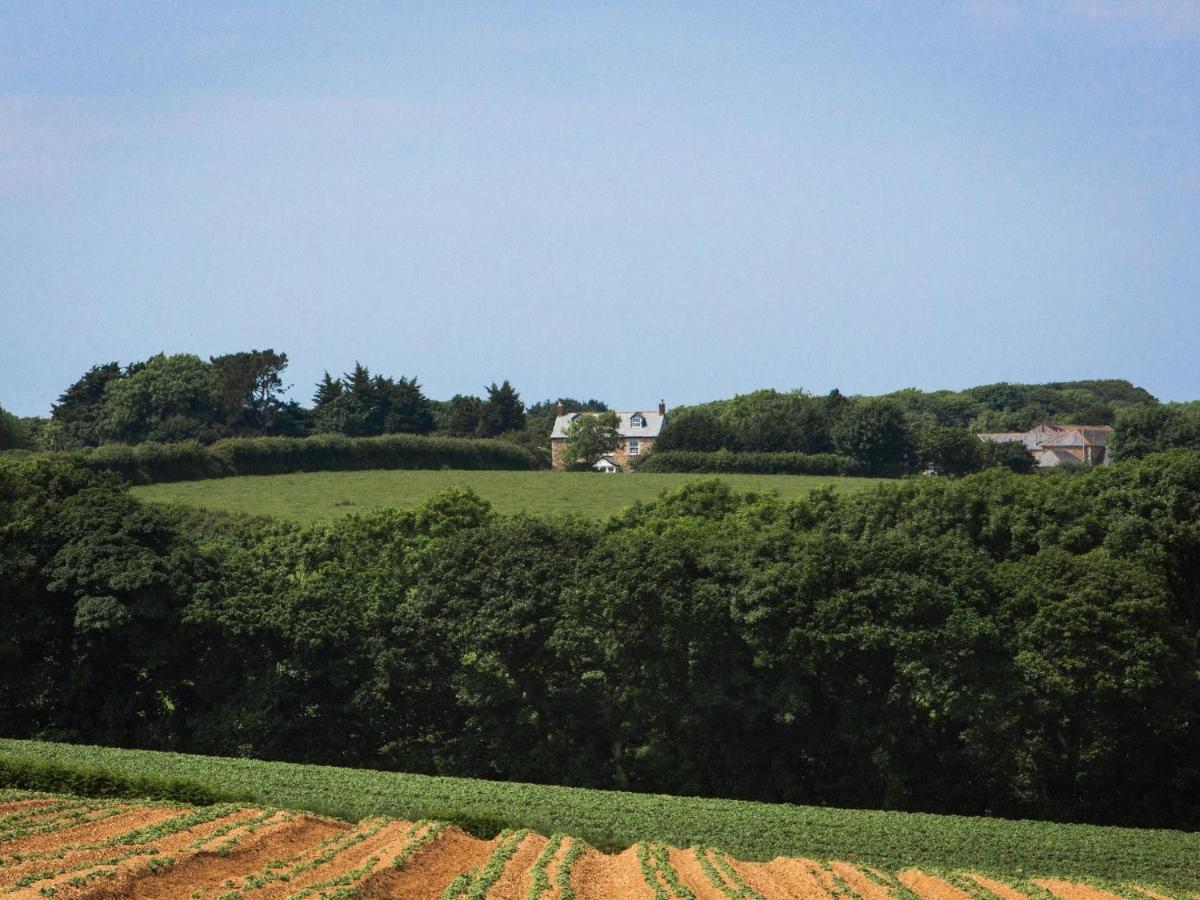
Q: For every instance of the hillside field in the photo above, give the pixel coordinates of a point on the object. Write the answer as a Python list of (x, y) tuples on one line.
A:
[(1018, 852), (64, 846), (317, 496)]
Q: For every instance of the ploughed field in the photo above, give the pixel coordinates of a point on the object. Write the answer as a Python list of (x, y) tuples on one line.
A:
[(59, 846), (1012, 851), (316, 496)]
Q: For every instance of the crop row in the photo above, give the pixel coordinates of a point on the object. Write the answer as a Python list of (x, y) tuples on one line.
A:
[(338, 861), (612, 820)]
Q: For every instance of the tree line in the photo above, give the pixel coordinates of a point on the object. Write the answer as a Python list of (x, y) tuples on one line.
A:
[(987, 644), (182, 397), (913, 430)]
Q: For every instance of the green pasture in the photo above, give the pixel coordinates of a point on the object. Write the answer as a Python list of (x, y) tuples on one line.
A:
[(614, 819), (316, 496)]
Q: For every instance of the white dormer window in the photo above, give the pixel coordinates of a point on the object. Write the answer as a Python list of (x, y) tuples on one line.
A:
[(633, 447), (637, 420)]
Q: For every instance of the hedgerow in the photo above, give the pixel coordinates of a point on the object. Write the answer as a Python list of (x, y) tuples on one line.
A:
[(728, 462), (91, 781), (149, 463)]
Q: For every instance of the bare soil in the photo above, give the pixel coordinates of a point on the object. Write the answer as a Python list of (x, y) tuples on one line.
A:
[(516, 878), (430, 870), (209, 869), (862, 883), (171, 866), (999, 888), (102, 879), (930, 887), (690, 873), (598, 876)]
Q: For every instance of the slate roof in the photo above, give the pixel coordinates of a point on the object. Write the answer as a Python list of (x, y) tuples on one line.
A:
[(1080, 436), (654, 424), (1053, 456), (1051, 435)]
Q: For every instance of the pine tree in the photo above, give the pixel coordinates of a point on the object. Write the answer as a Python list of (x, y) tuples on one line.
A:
[(328, 390), (503, 411)]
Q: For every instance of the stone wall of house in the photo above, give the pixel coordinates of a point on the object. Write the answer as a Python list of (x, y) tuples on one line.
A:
[(620, 456)]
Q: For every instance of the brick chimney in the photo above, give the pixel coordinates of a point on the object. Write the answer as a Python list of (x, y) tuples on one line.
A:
[(662, 407), (559, 408)]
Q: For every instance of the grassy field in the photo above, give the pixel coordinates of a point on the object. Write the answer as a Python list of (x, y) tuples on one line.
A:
[(613, 819), (315, 496)]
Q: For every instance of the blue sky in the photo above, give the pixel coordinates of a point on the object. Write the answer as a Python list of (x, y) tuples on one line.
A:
[(628, 201)]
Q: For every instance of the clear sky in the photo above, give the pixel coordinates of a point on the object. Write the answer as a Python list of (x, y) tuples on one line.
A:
[(627, 201)]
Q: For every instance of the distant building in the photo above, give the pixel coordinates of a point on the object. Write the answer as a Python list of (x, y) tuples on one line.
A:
[(639, 430), (1053, 445), (606, 464)]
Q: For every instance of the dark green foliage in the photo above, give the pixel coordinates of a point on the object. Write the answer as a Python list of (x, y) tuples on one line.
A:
[(612, 820), (724, 461), (185, 461), (1141, 431), (251, 383), (364, 406), (168, 398), (76, 415), (502, 411), (461, 415), (589, 437), (31, 774), (991, 644), (1010, 455), (911, 429), (544, 408), (698, 429), (1015, 407), (14, 435), (875, 432)]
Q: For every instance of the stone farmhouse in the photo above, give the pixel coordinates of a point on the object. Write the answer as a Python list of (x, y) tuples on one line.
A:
[(639, 430), (1053, 445)]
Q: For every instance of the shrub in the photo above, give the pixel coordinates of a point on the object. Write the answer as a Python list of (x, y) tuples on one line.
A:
[(727, 462), (186, 461), (53, 777)]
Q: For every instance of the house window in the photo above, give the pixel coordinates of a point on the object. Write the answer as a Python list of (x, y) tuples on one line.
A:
[(637, 422), (633, 447)]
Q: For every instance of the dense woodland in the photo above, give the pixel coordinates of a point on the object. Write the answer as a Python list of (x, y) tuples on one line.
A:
[(182, 398), (985, 644)]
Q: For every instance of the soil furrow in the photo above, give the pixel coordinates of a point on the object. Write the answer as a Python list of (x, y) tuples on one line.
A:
[(802, 877), (554, 871), (81, 838), (358, 846), (691, 873), (598, 877), (759, 877), (210, 867), (92, 880), (859, 881), (105, 850), (12, 806), (514, 881), (430, 870), (999, 888), (930, 887)]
